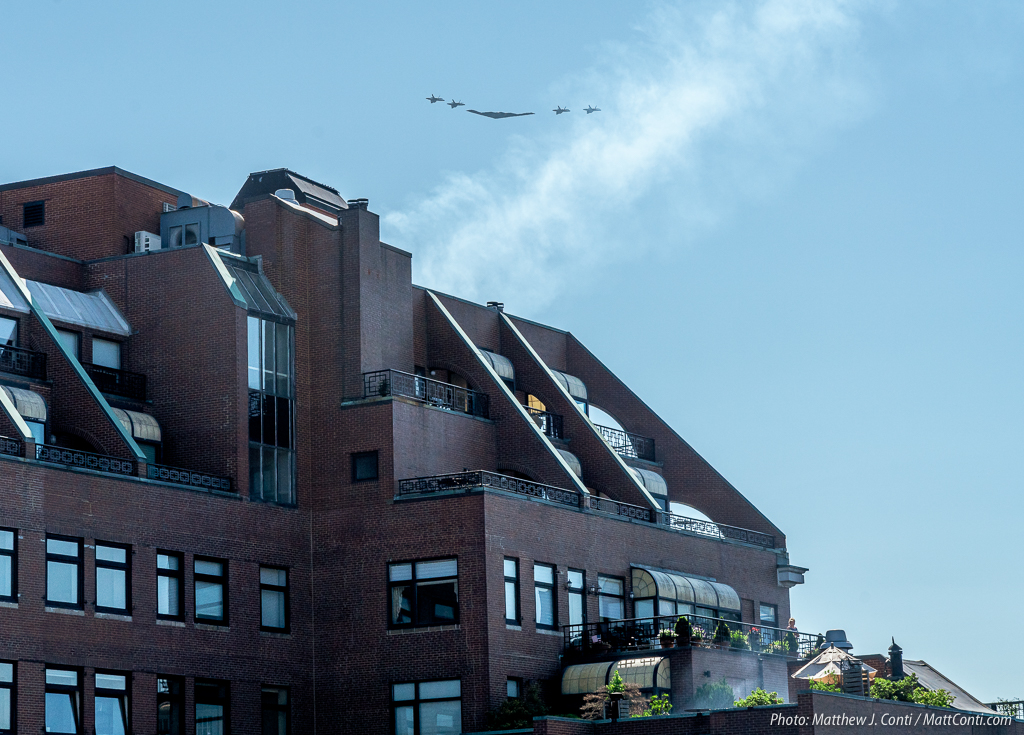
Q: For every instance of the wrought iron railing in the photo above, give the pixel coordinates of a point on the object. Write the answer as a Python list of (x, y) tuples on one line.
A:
[(19, 361), (442, 395), (117, 382), (1008, 707), (188, 477), (615, 508), (11, 447), (87, 460), (715, 530), (549, 423), (466, 481), (640, 634), (627, 444)]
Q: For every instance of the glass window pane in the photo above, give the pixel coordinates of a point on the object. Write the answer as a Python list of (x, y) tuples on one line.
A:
[(60, 712), (38, 431), (666, 607), (168, 596), (213, 568), (254, 352), (7, 540), (269, 360), (283, 436), (437, 603), (62, 677), (284, 477), (545, 606), (209, 600), (69, 340), (8, 331), (109, 719), (5, 709), (440, 718), (283, 360), (64, 548), (510, 568), (61, 582), (576, 609), (611, 608), (403, 692), (167, 561), (110, 588), (511, 613), (440, 689), (576, 579), (543, 574), (6, 673), (269, 430), (435, 569), (609, 585), (404, 723), (400, 572), (110, 681), (277, 577), (106, 353), (273, 608), (255, 472), (209, 719), (512, 688), (269, 474), (643, 608), (768, 614), (401, 604), (6, 576), (111, 553)]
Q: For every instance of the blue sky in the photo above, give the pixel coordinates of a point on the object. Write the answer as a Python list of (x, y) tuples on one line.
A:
[(794, 230)]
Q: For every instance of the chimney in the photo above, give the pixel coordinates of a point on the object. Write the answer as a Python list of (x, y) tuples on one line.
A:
[(896, 661), (496, 305)]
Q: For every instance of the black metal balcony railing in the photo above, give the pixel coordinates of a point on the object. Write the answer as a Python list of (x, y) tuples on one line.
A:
[(87, 460), (1009, 707), (627, 444), (117, 382), (11, 447), (188, 477), (19, 361), (640, 634), (615, 508), (466, 481), (715, 530), (549, 423), (442, 395)]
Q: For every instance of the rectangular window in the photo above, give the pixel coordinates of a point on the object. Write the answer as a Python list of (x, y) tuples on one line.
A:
[(276, 712), (33, 214), (513, 688), (70, 342), (611, 600), (63, 701), (113, 578), (364, 466), (170, 706), (63, 571), (544, 589), (8, 565), (212, 708), (106, 353), (274, 599), (512, 591), (427, 707), (577, 596), (211, 577), (271, 409), (8, 332), (769, 615), (7, 690), (112, 706), (169, 584), (424, 593)]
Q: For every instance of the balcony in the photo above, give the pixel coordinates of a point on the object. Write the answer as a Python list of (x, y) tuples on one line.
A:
[(615, 637), (549, 423), (445, 396), (19, 361), (117, 382), (464, 482), (626, 444), (191, 478), (11, 447), (85, 460)]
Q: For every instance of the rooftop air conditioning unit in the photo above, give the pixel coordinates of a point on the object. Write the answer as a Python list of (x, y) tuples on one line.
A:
[(146, 241), (169, 207)]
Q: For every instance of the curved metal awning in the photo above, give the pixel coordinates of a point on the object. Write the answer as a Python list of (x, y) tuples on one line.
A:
[(139, 425), (654, 482), (572, 384), (30, 404), (501, 364), (573, 461), (690, 590), (648, 673)]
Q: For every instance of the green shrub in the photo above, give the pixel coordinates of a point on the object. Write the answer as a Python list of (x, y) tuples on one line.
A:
[(722, 632), (714, 695), (616, 684), (659, 706), (908, 689), (518, 712), (738, 640), (758, 698), (824, 686), (684, 633)]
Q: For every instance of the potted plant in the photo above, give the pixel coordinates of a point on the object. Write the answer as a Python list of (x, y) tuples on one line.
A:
[(738, 641), (754, 639), (697, 637), (616, 688), (684, 633), (601, 646), (722, 634), (668, 638)]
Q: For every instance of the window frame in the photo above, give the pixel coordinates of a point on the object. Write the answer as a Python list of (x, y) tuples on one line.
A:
[(41, 203), (278, 707), (416, 701), (172, 698), (12, 554), (356, 456), (553, 587), (260, 396), (178, 574), (285, 590), (123, 695), (76, 690), (78, 340), (775, 612), (62, 559), (413, 582), (224, 697), (17, 330), (12, 687), (126, 567), (518, 620), (204, 577), (120, 352), (621, 598), (581, 592), (519, 687)]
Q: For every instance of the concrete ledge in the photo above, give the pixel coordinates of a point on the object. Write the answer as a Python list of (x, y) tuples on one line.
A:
[(112, 616), (424, 629), (213, 628), (171, 623), (9, 605), (64, 611)]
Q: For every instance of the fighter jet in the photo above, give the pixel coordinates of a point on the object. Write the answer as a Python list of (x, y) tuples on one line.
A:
[(453, 104), (593, 109), (434, 99), (559, 110)]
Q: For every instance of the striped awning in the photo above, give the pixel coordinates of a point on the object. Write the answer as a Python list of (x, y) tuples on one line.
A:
[(572, 384), (501, 364), (30, 404), (139, 425)]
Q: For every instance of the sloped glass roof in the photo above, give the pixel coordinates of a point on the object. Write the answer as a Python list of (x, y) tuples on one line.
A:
[(572, 384), (253, 286), (501, 364), (93, 310), (645, 672), (669, 586)]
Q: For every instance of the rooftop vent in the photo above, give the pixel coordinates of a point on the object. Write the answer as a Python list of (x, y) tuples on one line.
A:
[(168, 207), (33, 214), (359, 203), (288, 194), (500, 306)]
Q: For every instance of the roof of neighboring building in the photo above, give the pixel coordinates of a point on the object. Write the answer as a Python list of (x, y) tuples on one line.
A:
[(931, 679), (306, 190), (86, 174)]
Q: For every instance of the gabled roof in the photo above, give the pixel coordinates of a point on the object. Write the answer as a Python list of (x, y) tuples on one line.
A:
[(306, 190), (931, 679)]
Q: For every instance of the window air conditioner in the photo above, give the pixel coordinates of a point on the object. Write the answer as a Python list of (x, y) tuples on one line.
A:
[(146, 241)]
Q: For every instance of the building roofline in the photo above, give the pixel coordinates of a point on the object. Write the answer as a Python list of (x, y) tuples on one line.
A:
[(481, 306), (298, 176), (106, 171)]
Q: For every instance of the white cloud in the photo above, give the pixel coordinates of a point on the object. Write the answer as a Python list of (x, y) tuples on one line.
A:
[(770, 74)]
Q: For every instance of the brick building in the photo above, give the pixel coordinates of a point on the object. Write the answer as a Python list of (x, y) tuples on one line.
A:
[(257, 478)]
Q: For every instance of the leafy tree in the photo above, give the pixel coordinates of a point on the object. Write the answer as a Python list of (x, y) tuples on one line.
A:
[(758, 698), (659, 706), (824, 686), (519, 711), (908, 689), (714, 695), (616, 684), (594, 704)]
